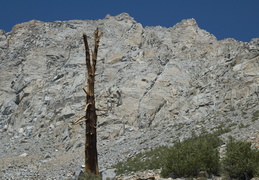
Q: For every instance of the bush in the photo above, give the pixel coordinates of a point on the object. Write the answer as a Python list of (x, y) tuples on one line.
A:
[(241, 161), (188, 158)]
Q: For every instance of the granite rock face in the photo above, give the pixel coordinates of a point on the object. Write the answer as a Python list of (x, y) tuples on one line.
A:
[(155, 85)]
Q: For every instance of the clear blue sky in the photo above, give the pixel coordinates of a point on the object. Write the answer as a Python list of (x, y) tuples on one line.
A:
[(237, 19)]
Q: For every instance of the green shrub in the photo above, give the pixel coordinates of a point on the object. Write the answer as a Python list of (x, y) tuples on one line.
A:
[(188, 158), (241, 161)]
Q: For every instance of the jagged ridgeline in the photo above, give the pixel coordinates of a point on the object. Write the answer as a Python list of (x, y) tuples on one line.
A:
[(156, 86)]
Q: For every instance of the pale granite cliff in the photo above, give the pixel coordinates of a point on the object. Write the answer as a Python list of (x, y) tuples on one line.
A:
[(157, 85)]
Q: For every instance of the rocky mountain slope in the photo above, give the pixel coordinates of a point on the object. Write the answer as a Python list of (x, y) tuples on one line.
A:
[(155, 85)]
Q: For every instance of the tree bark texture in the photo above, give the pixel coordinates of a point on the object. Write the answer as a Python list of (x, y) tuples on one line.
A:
[(91, 159)]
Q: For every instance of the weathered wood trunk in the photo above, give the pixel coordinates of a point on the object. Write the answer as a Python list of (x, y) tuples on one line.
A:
[(91, 159)]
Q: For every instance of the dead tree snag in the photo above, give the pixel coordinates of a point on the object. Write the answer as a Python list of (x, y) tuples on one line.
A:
[(90, 118)]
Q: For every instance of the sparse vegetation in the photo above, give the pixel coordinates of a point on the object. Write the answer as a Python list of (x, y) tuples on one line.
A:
[(197, 154), (243, 126), (241, 162), (232, 108), (149, 160), (89, 176), (255, 116), (221, 131), (232, 125), (201, 151)]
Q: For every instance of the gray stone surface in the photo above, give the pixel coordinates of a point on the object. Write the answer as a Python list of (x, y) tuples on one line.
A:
[(108, 174), (155, 85)]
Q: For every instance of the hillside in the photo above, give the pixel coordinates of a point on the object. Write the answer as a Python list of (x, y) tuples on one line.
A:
[(156, 85)]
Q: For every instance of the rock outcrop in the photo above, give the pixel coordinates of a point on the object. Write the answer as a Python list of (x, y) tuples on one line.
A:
[(155, 85)]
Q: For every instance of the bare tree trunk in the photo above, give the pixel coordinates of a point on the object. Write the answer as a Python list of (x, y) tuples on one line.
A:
[(91, 159)]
